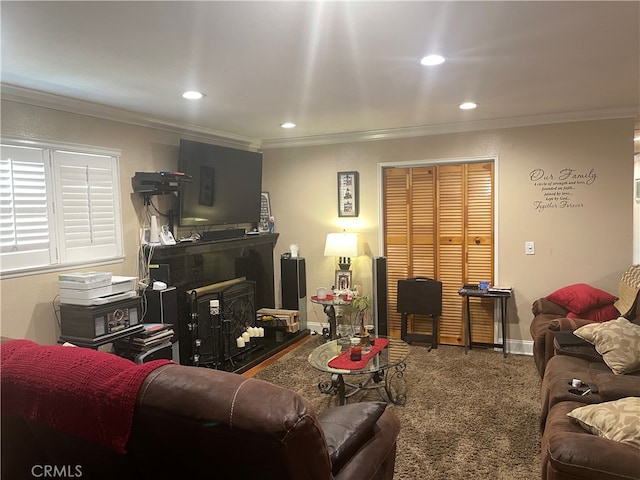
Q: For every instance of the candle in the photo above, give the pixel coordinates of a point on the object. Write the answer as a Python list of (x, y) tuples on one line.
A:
[(260, 331), (251, 331), (240, 342), (246, 338), (356, 353)]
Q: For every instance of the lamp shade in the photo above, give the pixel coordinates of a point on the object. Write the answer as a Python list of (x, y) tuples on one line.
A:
[(342, 245)]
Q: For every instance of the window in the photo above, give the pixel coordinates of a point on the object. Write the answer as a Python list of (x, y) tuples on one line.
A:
[(59, 206)]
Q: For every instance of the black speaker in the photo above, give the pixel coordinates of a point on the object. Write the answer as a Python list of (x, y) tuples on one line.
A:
[(294, 286), (162, 306), (380, 302)]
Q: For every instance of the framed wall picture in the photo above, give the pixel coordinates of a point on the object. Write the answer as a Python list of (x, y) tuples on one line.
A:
[(638, 190), (343, 280), (265, 212), (348, 201)]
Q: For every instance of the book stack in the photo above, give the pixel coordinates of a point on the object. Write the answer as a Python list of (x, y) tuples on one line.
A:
[(153, 335)]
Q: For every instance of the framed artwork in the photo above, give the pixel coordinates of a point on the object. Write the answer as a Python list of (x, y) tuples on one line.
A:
[(265, 212), (348, 201), (638, 190), (343, 279)]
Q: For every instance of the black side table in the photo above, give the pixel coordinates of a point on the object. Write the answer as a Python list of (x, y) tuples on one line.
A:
[(502, 295)]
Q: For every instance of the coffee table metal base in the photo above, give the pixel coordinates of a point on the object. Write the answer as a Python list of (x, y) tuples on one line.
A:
[(390, 384)]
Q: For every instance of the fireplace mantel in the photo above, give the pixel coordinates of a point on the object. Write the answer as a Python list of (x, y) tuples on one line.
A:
[(195, 264)]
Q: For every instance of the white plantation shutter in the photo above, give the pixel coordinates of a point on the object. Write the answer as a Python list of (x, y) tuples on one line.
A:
[(58, 207), (88, 218), (24, 210)]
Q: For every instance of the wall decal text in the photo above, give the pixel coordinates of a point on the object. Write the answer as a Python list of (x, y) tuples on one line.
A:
[(559, 189)]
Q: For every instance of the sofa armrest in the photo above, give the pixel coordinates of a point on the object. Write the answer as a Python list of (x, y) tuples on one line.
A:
[(347, 427), (543, 305), (376, 458), (567, 324), (569, 452)]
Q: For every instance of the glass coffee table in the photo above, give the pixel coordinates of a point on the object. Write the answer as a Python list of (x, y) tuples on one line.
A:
[(384, 372)]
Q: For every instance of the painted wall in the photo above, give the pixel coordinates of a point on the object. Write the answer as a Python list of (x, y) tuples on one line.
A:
[(590, 243), (636, 210)]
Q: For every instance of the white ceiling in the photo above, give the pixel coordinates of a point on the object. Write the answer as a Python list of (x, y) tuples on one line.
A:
[(335, 68)]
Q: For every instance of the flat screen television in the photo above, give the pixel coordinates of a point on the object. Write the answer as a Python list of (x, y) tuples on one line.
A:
[(225, 186)]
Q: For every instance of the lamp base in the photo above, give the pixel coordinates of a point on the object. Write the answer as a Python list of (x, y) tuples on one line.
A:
[(344, 263)]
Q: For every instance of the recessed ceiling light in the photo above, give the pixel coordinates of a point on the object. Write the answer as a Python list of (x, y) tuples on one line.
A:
[(192, 95), (431, 60), (287, 125), (467, 106)]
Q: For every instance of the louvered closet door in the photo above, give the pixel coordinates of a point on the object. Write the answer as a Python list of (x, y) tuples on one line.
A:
[(397, 240), (439, 224), (450, 254), (479, 245)]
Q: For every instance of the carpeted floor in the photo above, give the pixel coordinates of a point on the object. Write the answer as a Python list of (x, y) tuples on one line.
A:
[(466, 417)]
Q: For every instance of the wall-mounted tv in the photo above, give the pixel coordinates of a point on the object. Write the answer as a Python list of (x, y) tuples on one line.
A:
[(225, 185)]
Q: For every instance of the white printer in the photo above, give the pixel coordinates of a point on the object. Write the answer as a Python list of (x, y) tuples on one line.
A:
[(95, 288)]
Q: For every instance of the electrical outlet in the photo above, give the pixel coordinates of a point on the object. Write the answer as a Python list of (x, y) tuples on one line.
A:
[(530, 248)]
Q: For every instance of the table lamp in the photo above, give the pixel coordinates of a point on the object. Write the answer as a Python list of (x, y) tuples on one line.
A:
[(344, 246)]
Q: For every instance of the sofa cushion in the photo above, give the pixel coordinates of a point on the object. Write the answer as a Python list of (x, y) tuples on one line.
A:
[(615, 387), (618, 341), (580, 297), (347, 427), (616, 420), (600, 314)]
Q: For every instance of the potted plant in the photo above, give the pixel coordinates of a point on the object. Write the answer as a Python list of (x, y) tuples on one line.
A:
[(361, 305)]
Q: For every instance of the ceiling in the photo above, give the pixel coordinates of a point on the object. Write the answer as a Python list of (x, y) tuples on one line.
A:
[(339, 70)]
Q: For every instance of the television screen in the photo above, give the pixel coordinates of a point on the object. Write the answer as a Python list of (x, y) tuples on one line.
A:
[(225, 186)]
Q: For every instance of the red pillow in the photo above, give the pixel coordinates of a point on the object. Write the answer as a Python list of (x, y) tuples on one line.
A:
[(581, 298), (602, 314)]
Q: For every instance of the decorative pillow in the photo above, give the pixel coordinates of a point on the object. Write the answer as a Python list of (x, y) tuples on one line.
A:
[(347, 427), (602, 314), (618, 341), (581, 297), (617, 420)]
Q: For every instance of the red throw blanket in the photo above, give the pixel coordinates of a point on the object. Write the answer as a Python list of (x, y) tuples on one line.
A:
[(80, 391), (343, 361)]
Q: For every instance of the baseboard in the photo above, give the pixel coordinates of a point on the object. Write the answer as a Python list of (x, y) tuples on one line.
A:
[(517, 347)]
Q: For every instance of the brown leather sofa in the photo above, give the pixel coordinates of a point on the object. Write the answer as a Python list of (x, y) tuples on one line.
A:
[(568, 451), (191, 422), (550, 317)]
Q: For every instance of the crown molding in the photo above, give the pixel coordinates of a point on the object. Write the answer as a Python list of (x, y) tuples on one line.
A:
[(444, 128), (81, 107)]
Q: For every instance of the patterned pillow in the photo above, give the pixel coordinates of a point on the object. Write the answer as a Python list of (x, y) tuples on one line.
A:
[(617, 420), (618, 341)]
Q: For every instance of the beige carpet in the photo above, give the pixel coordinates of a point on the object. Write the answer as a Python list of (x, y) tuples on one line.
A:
[(471, 416)]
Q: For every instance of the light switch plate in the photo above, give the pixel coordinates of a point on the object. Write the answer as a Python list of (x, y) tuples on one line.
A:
[(530, 248)]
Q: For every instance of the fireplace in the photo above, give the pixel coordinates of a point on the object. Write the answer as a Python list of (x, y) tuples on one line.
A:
[(202, 271), (214, 327)]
